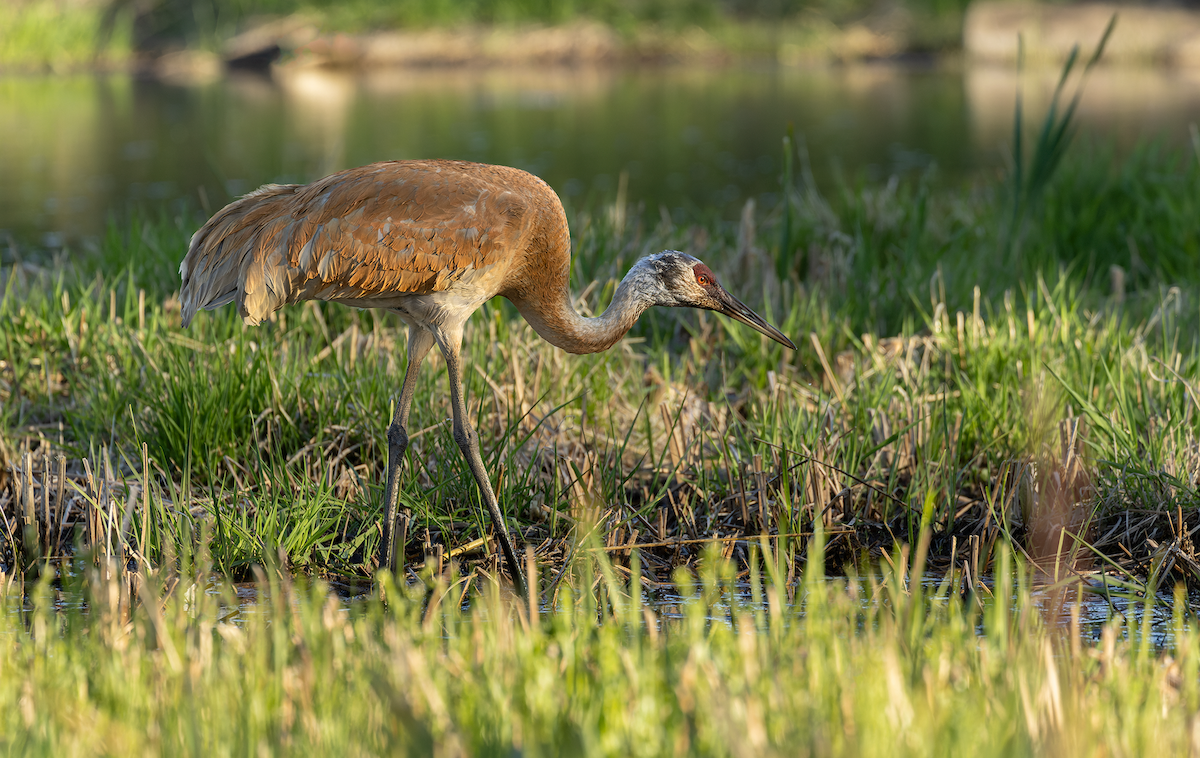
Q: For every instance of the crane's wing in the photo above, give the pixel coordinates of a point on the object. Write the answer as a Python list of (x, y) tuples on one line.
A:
[(410, 227)]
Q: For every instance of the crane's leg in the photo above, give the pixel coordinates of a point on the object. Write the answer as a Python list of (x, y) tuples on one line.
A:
[(419, 343), (468, 442)]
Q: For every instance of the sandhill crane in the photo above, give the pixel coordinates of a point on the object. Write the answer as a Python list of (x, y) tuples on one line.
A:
[(430, 241)]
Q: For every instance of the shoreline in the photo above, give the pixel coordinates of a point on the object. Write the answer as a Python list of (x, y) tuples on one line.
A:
[(295, 43), (987, 32)]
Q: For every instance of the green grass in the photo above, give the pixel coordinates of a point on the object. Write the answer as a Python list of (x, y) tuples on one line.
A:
[(1027, 419), (725, 533), (878, 666), (929, 363), (727, 537)]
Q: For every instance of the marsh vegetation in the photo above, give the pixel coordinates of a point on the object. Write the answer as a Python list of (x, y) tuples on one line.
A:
[(996, 383), (882, 667), (985, 360)]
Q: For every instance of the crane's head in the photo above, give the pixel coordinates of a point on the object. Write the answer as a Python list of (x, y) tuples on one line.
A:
[(678, 280)]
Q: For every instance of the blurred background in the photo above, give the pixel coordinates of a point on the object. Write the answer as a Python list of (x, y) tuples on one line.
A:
[(113, 108)]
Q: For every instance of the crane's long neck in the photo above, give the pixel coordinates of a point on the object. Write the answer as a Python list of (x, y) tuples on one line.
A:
[(556, 321)]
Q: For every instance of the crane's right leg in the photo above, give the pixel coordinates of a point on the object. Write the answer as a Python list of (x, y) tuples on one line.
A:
[(468, 443), (419, 343)]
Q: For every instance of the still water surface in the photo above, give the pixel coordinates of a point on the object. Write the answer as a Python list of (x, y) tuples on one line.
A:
[(1096, 607), (78, 151)]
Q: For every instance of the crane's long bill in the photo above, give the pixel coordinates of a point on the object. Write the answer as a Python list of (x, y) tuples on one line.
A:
[(736, 309)]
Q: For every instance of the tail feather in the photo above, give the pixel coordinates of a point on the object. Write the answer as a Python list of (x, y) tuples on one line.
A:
[(237, 256)]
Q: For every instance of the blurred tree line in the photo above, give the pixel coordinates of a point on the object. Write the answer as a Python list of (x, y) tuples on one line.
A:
[(66, 34), (155, 22)]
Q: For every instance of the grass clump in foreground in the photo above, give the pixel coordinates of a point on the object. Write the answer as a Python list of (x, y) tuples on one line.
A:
[(878, 666)]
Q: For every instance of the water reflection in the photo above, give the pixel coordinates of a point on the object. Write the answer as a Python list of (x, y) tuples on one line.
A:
[(76, 150), (1095, 607), (1087, 606)]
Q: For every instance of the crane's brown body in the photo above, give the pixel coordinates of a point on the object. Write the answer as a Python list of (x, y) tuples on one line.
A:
[(456, 234), (431, 241)]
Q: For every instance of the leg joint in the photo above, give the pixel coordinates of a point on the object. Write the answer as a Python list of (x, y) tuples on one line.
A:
[(397, 436)]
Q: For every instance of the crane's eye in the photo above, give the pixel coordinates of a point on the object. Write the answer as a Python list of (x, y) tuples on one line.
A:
[(703, 279)]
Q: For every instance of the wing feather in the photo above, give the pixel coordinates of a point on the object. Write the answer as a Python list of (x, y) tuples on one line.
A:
[(410, 227)]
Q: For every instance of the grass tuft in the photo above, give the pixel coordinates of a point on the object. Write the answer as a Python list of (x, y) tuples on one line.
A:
[(882, 663)]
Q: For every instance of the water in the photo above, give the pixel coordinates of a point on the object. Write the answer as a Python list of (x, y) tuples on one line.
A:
[(77, 151), (1096, 607)]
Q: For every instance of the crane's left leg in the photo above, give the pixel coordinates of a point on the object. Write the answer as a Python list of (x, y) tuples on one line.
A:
[(468, 442), (419, 343)]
